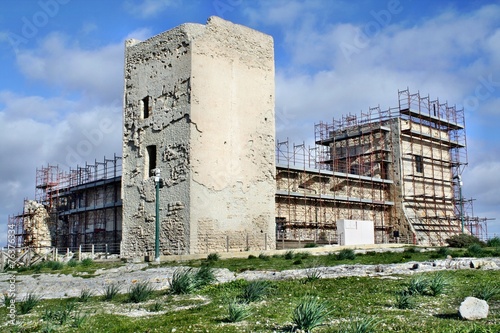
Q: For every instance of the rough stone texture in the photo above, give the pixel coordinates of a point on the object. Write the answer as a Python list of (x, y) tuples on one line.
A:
[(209, 94), (36, 225), (473, 309)]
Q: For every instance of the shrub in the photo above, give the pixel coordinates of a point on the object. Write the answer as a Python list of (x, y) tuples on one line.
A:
[(346, 254), (72, 263), (298, 262), (183, 282), (54, 265), (404, 300), (110, 291), (140, 292), (364, 325), (310, 245), (254, 291), (85, 295), (213, 257), (204, 276), (310, 313), (443, 251), (87, 262), (486, 291), (312, 274), (59, 315), (475, 250), (289, 255), (29, 302), (251, 256), (493, 242), (7, 299), (264, 256), (237, 311), (437, 284), (411, 249), (462, 241), (302, 255), (418, 285)]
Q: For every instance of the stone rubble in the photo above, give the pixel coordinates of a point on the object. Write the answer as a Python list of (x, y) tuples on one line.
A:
[(50, 286), (473, 309)]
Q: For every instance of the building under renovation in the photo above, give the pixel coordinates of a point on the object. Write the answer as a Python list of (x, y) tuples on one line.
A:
[(199, 113)]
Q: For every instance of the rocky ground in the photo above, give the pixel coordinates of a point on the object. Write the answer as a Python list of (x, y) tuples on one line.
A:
[(61, 286)]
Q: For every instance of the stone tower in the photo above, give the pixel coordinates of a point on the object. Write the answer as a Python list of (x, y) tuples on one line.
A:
[(199, 105)]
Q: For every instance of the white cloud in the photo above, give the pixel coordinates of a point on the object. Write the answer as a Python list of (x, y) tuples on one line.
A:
[(148, 8)]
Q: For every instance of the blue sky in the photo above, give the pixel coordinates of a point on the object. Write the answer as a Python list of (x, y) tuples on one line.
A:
[(62, 73)]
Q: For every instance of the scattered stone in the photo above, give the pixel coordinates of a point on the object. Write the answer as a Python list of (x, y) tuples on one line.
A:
[(473, 308), (484, 264), (414, 267), (379, 269)]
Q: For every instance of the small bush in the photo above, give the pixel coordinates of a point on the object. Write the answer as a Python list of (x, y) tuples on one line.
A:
[(313, 274), (60, 315), (475, 250), (493, 242), (110, 291), (54, 265), (364, 325), (346, 254), (251, 256), (213, 257), (85, 295), (264, 256), (140, 292), (443, 251), (298, 262), (29, 302), (302, 255), (204, 276), (437, 284), (289, 255), (7, 299), (183, 282), (418, 285), (254, 291), (72, 263), (237, 311), (404, 300), (411, 249), (310, 245), (463, 241), (310, 313), (87, 262), (486, 291)]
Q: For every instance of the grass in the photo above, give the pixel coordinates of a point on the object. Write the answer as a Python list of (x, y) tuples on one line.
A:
[(363, 325), (254, 291), (111, 291), (85, 295), (310, 313), (486, 291), (29, 302), (140, 292), (405, 301), (237, 311)]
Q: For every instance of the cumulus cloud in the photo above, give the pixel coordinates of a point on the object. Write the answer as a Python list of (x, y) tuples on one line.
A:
[(148, 8)]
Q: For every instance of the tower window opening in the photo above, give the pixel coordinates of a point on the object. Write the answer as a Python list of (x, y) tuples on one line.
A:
[(419, 164), (145, 107), (150, 161)]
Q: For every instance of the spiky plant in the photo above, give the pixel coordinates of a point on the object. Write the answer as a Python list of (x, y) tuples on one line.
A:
[(254, 291), (110, 291), (140, 292), (29, 302), (310, 313), (237, 311)]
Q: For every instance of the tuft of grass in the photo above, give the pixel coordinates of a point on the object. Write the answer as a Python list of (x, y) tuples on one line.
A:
[(437, 284), (254, 291), (183, 282), (87, 262), (7, 299), (54, 265), (405, 301), (312, 274), (411, 249), (85, 295), (475, 250), (310, 245), (310, 313), (237, 311), (264, 257), (363, 325), (213, 257), (298, 262), (486, 291), (28, 303), (251, 256), (289, 255), (418, 285), (59, 315), (78, 320), (155, 307), (111, 291), (72, 263), (140, 292), (346, 254), (204, 276)]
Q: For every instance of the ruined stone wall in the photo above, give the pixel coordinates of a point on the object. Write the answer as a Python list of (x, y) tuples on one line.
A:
[(200, 98), (36, 224)]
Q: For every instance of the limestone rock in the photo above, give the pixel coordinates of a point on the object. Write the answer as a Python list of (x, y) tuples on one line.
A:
[(484, 264), (473, 308)]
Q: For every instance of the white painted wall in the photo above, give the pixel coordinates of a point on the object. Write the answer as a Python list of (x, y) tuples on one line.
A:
[(355, 232)]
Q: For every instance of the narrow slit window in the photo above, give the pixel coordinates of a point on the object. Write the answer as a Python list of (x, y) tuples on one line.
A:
[(145, 107), (150, 161), (419, 164)]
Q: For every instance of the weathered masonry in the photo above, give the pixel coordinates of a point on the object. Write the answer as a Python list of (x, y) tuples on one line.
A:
[(199, 105)]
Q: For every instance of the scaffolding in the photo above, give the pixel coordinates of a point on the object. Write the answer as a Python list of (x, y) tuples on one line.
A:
[(84, 204)]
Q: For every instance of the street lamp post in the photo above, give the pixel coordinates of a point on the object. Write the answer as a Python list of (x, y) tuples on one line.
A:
[(157, 217)]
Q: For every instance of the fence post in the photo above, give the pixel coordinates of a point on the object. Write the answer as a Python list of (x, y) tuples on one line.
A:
[(92, 251), (80, 253), (227, 243), (106, 255), (28, 259), (248, 244), (265, 241), (178, 248), (300, 235), (67, 252), (57, 255)]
